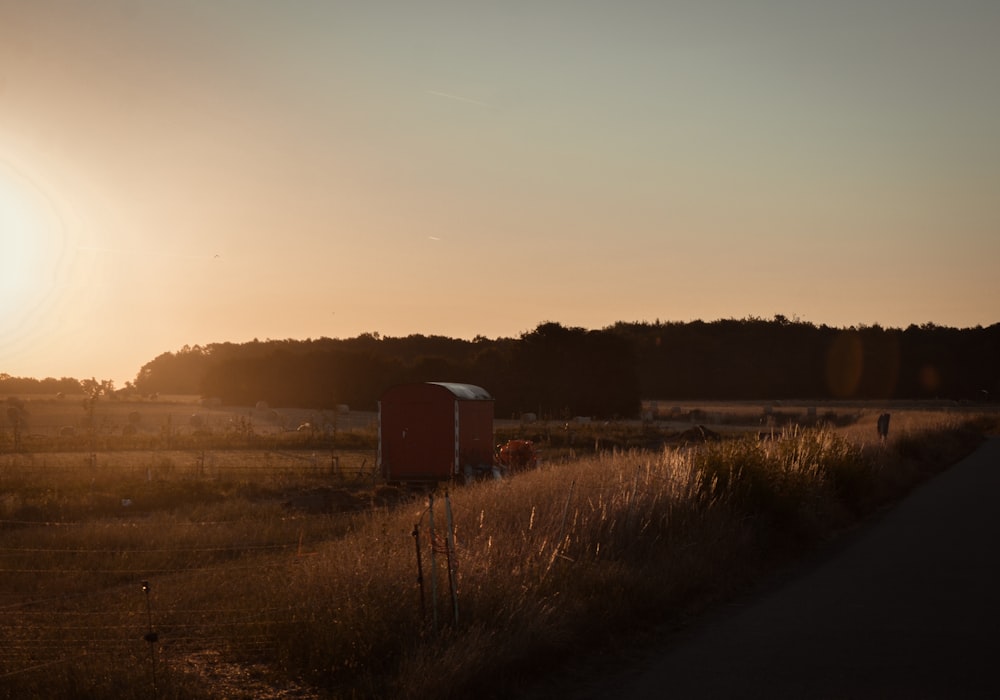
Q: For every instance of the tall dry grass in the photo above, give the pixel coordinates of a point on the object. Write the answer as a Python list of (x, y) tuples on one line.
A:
[(553, 564)]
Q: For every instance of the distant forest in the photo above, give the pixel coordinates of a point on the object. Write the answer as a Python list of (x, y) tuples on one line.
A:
[(558, 371)]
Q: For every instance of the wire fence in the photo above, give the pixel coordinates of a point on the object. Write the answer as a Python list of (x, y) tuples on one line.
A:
[(87, 619), (214, 464), (83, 532)]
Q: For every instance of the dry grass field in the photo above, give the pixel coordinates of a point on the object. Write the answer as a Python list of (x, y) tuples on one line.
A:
[(205, 559), (184, 414)]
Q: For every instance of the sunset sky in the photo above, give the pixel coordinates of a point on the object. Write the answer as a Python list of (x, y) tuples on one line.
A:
[(199, 171)]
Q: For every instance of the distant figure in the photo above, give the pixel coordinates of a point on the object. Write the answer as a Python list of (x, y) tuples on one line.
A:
[(883, 426)]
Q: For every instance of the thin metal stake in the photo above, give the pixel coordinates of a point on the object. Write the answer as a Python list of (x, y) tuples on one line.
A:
[(420, 572), (151, 636), (452, 582), (434, 603)]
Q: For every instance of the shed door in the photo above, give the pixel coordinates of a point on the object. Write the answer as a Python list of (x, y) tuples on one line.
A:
[(418, 439)]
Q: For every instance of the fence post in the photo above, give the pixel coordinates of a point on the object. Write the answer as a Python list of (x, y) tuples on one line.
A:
[(434, 609), (450, 552), (420, 572), (151, 637)]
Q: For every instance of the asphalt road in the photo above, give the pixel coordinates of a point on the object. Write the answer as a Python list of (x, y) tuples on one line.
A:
[(909, 609)]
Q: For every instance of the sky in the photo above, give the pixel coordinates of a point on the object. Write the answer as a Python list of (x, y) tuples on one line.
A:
[(201, 171)]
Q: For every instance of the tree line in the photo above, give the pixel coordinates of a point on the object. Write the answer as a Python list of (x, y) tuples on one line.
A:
[(560, 371), (552, 370), (13, 386)]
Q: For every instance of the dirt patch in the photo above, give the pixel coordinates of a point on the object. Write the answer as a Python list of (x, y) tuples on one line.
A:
[(241, 681), (341, 500), (326, 500)]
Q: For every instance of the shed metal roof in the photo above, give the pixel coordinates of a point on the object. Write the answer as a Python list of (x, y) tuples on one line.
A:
[(465, 391)]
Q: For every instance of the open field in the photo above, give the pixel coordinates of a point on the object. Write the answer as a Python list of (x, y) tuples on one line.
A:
[(63, 424), (276, 564), (181, 415)]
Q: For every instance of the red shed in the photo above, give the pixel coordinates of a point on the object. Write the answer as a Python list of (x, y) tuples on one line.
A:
[(434, 431)]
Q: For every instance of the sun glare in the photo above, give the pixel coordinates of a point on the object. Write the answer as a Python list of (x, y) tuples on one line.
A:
[(32, 248)]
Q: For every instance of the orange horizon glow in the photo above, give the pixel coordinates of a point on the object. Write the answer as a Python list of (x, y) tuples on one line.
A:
[(199, 172)]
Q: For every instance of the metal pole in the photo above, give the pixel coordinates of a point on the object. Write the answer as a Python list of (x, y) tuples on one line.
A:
[(420, 572), (452, 582), (151, 636), (434, 608)]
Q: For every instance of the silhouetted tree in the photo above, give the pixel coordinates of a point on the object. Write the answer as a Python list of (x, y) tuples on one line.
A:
[(17, 416)]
